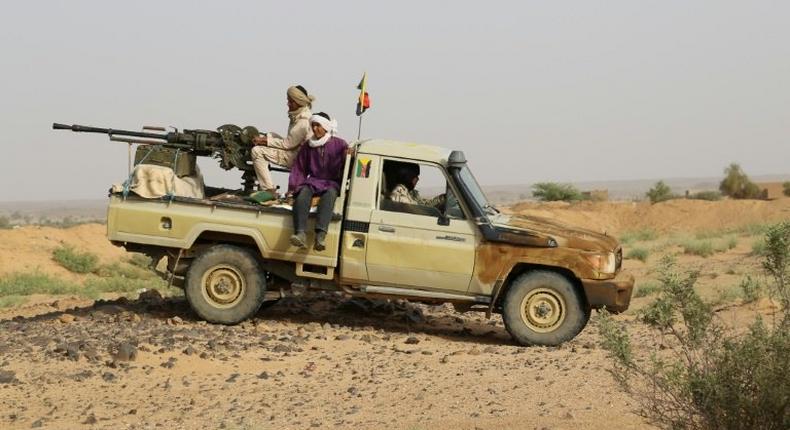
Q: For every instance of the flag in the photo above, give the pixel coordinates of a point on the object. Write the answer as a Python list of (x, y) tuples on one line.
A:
[(363, 103)]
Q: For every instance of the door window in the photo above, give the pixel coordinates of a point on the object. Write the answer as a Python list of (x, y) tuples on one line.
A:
[(416, 188)]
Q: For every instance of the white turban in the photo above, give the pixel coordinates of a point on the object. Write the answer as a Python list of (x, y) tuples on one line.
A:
[(330, 125)]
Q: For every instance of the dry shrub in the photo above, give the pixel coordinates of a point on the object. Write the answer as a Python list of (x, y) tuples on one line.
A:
[(708, 378)]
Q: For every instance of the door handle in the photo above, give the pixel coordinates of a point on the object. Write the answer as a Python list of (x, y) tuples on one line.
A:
[(452, 238), (387, 229)]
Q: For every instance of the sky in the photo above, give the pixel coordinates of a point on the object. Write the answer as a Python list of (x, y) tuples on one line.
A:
[(530, 90)]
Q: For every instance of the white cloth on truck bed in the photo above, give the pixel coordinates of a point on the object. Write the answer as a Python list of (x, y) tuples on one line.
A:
[(150, 181)]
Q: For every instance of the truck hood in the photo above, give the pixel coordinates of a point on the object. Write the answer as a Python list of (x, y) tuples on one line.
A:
[(564, 235)]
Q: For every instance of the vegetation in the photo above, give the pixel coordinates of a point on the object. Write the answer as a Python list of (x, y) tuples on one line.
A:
[(67, 222), (647, 289), (706, 195), (660, 193), (75, 261), (552, 191), (638, 235), (736, 184), (751, 289), (709, 378), (707, 246), (640, 254), (786, 188), (5, 223)]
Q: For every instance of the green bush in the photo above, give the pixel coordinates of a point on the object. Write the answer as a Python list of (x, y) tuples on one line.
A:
[(786, 188), (700, 247), (707, 378), (552, 191), (736, 184), (777, 260), (75, 261), (638, 235), (640, 254), (5, 223), (660, 193), (9, 301), (25, 284), (751, 289), (647, 289), (706, 195)]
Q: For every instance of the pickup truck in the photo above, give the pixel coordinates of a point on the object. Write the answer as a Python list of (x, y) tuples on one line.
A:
[(230, 257)]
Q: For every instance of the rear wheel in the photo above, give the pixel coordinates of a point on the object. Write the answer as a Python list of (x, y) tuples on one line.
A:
[(225, 284), (544, 308)]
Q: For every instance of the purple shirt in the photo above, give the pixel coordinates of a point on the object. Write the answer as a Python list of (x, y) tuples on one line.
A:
[(320, 168)]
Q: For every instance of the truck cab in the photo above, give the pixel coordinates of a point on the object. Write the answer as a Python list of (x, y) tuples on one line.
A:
[(450, 245)]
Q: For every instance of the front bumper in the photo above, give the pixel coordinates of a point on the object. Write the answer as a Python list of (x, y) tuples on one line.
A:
[(613, 293)]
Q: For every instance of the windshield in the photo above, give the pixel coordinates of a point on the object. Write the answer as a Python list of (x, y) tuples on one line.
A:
[(476, 193)]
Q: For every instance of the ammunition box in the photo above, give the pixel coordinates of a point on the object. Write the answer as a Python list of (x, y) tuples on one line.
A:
[(182, 162)]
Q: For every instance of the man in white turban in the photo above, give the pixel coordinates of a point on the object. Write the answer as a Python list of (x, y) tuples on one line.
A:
[(279, 150)]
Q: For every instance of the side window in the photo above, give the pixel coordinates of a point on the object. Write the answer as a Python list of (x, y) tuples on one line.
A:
[(417, 189)]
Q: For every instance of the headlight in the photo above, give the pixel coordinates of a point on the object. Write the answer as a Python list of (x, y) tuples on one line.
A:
[(604, 263)]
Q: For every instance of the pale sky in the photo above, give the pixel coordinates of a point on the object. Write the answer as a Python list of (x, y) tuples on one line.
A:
[(531, 91)]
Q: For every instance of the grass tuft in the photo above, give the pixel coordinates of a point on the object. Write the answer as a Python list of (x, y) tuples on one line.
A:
[(638, 236), (640, 254), (647, 288), (75, 261)]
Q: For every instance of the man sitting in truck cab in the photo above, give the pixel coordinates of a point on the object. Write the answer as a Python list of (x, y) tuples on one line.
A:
[(405, 177), (317, 170)]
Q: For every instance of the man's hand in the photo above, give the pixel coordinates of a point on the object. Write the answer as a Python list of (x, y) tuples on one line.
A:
[(259, 140)]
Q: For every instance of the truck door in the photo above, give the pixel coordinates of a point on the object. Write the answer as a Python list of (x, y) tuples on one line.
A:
[(409, 244)]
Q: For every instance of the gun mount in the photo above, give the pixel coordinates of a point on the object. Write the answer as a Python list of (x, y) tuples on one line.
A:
[(230, 144)]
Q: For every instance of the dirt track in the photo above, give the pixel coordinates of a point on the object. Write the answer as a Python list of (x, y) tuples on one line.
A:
[(321, 361)]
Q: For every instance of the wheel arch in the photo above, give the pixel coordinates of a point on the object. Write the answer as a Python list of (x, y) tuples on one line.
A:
[(522, 268), (240, 236)]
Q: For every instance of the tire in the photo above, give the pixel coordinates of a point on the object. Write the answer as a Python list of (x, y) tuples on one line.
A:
[(544, 308), (225, 284)]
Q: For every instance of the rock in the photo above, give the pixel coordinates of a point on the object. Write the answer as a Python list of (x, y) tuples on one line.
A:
[(353, 391), (7, 377), (445, 360), (369, 338), (189, 350), (73, 351), (264, 375), (232, 378), (90, 419), (474, 351), (108, 376), (175, 321), (342, 337), (37, 423), (412, 340), (67, 318), (282, 348), (490, 350), (126, 352)]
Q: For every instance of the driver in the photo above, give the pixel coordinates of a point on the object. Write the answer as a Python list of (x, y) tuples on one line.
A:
[(406, 176)]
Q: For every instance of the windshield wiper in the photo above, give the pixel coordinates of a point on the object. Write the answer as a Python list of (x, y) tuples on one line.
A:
[(490, 206)]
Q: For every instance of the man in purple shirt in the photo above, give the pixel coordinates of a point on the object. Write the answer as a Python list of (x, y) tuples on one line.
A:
[(317, 170)]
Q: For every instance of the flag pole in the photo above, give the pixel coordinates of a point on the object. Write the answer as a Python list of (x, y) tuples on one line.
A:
[(359, 130)]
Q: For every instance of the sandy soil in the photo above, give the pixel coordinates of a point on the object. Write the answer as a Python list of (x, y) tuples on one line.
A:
[(324, 361)]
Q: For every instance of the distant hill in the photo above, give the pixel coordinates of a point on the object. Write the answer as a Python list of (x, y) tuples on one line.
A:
[(81, 210)]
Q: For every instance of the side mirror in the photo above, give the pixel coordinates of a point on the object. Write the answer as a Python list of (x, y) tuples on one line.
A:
[(443, 220)]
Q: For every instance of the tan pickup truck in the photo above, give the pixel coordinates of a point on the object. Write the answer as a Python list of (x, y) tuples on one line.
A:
[(231, 257)]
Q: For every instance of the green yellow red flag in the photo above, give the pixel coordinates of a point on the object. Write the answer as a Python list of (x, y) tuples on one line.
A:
[(363, 103)]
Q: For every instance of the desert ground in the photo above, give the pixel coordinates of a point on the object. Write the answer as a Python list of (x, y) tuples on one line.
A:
[(132, 360)]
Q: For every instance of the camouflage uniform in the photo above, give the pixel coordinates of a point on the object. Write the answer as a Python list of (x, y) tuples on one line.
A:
[(401, 194)]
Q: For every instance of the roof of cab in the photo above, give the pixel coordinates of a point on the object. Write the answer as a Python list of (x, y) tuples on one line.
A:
[(412, 151)]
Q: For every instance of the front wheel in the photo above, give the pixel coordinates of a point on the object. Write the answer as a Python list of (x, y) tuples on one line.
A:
[(544, 308), (225, 284)]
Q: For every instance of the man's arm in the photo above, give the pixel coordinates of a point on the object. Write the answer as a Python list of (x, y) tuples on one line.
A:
[(298, 134)]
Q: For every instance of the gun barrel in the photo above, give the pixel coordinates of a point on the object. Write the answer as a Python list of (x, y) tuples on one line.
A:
[(110, 131)]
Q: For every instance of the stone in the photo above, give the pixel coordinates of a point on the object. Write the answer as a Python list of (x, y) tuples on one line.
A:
[(7, 376), (412, 340), (126, 352), (67, 318)]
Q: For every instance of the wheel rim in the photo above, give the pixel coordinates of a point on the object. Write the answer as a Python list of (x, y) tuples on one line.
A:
[(223, 286), (543, 310)]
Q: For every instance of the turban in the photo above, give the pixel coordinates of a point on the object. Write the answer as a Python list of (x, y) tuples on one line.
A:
[(299, 95)]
